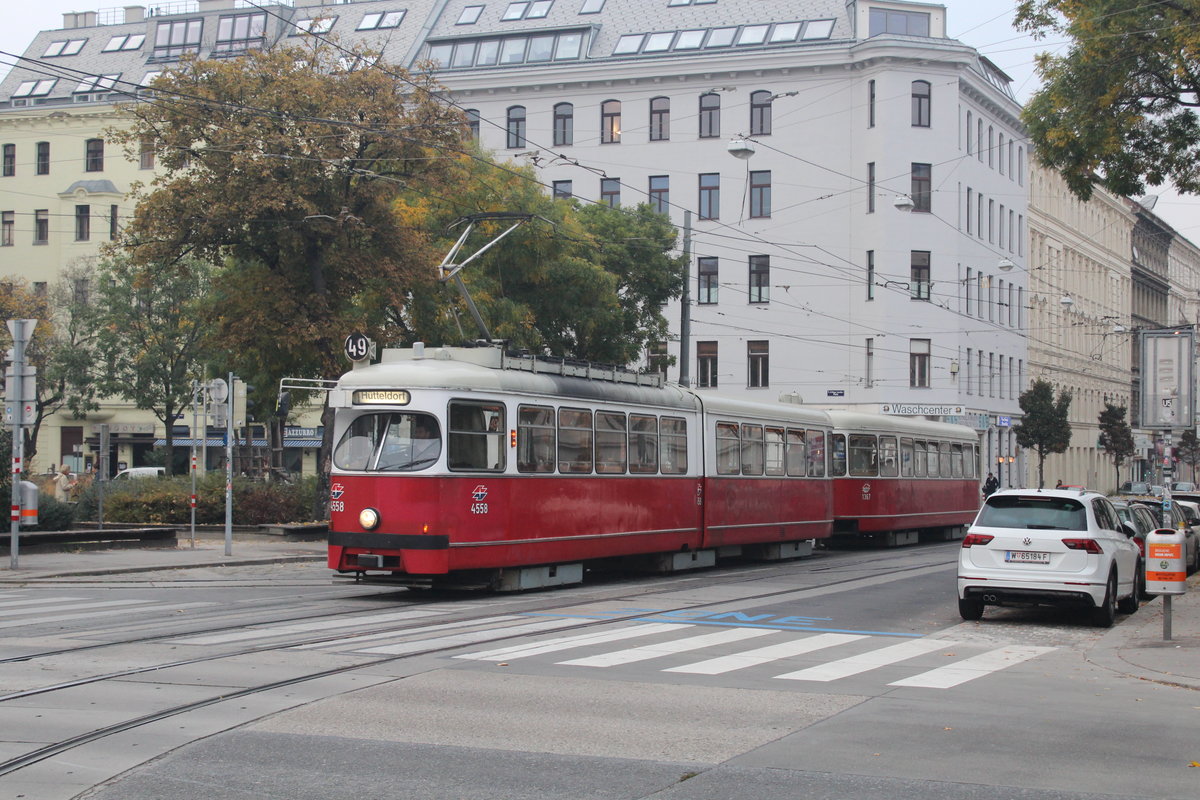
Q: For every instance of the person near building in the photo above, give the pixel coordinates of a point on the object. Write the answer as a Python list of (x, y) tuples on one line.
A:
[(990, 485), (64, 484)]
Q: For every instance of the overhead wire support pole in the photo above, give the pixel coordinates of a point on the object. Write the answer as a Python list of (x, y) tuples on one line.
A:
[(448, 270)]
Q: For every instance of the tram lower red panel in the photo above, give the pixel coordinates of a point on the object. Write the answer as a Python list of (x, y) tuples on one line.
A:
[(876, 505), (439, 524), (754, 510)]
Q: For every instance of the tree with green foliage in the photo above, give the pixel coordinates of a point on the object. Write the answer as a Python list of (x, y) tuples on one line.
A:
[(151, 325), (1045, 427), (1189, 450), (1116, 437), (1117, 108)]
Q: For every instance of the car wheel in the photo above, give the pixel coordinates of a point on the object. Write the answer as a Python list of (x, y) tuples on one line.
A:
[(1128, 605), (970, 610), (1105, 614)]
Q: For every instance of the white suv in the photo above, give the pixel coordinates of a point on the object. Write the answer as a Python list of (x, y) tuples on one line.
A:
[(1049, 547)]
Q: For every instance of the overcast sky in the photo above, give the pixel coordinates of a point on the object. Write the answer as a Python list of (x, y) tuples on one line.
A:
[(985, 26)]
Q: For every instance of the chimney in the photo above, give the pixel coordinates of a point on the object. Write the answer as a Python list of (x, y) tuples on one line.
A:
[(135, 13), (214, 5)]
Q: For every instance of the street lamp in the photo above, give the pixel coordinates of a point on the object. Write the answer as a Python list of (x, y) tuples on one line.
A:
[(903, 202), (1005, 265)]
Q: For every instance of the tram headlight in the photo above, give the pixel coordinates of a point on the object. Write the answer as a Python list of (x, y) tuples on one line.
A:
[(368, 518)]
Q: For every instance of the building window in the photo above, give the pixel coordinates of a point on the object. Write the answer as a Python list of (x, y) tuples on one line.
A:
[(979, 139), (564, 124), (991, 220), (706, 357), (710, 115), (706, 268), (922, 186), (473, 123), (991, 146), (94, 155), (1000, 149), (970, 199), (970, 149), (173, 39), (760, 113), (870, 104), (969, 365), (469, 15), (918, 363), (758, 358), (146, 153), (610, 122), (760, 193), (710, 195), (42, 164), (657, 357), (563, 190), (10, 160), (918, 283), (7, 223), (871, 187), (81, 291), (870, 274), (760, 279), (238, 33), (83, 223), (591, 7), (660, 119), (385, 19), (66, 47), (903, 23), (660, 186), (610, 192), (41, 226), (970, 282), (516, 127), (113, 225), (921, 100)]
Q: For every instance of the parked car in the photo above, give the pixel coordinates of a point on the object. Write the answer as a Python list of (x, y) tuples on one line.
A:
[(1050, 547), (137, 473), (1182, 486), (1184, 516), (1140, 488)]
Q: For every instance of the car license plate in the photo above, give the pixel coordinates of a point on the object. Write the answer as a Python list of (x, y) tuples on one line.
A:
[(1026, 557)]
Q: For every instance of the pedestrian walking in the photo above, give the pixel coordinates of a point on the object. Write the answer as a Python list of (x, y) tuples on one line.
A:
[(990, 485), (64, 484)]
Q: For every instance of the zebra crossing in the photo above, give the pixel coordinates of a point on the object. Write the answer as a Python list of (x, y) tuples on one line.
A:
[(17, 611)]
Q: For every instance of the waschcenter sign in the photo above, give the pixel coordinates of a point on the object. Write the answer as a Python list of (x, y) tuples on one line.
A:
[(920, 409)]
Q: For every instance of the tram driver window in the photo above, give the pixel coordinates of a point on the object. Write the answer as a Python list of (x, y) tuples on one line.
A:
[(837, 463), (477, 436), (393, 442), (729, 449), (535, 439), (611, 442), (574, 440)]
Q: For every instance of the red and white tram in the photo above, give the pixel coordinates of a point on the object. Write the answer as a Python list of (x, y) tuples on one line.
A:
[(471, 466)]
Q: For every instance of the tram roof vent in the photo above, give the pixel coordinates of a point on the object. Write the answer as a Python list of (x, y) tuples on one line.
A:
[(580, 369)]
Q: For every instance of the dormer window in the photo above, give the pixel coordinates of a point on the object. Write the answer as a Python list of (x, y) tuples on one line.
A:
[(130, 41), (387, 19), (68, 47), (35, 88)]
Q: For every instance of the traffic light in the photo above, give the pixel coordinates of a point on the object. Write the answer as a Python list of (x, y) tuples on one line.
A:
[(243, 406), (284, 405)]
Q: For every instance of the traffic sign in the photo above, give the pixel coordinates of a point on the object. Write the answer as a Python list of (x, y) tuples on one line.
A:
[(358, 347)]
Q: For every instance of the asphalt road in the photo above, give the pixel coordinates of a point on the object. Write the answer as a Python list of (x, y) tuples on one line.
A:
[(847, 675)]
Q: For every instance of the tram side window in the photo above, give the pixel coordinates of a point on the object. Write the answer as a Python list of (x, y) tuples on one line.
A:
[(773, 452), (752, 450), (944, 459), (837, 462), (921, 462), (674, 459), (477, 436), (956, 460), (643, 444), (888, 466), (574, 440), (729, 449), (611, 442), (970, 466), (906, 458), (932, 453), (535, 439), (816, 454), (796, 453), (864, 456)]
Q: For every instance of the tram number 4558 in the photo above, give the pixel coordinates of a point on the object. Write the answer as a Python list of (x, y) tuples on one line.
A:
[(479, 508)]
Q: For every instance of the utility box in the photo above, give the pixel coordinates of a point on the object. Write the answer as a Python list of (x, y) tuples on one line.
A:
[(1165, 570), (29, 503)]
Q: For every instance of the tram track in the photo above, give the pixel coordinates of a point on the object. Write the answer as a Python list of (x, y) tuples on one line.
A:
[(498, 635)]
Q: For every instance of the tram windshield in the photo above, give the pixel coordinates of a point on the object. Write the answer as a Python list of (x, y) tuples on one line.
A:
[(390, 442)]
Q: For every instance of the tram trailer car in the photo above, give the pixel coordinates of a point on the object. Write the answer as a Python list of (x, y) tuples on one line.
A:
[(898, 478), (474, 467)]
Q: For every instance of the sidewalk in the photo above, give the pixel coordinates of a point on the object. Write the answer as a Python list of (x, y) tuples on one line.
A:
[(1135, 645), (208, 552)]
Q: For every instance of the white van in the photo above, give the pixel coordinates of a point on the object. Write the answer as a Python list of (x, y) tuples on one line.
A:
[(136, 473)]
